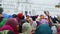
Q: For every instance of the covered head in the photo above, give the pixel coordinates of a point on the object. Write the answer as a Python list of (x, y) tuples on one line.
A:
[(12, 22), (7, 27), (43, 29), (26, 28), (34, 25), (44, 21), (19, 15)]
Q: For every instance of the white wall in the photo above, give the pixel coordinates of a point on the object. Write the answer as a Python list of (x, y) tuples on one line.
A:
[(35, 6), (16, 6), (40, 5), (10, 6)]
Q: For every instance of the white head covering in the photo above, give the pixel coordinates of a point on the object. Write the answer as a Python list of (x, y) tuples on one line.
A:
[(38, 18), (56, 16), (52, 16), (45, 17), (26, 28), (54, 29), (34, 24)]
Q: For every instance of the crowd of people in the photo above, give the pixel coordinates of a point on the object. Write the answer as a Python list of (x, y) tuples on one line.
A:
[(19, 24)]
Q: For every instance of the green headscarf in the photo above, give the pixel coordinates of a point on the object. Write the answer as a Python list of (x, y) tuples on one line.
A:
[(2, 22)]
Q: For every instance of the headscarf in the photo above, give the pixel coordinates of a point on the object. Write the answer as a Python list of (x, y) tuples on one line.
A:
[(34, 25), (42, 21), (26, 28), (43, 29), (6, 32), (5, 15), (2, 22), (54, 29), (19, 15), (13, 23), (7, 27)]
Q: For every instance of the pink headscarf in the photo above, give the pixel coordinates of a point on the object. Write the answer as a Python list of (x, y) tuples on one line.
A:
[(13, 23), (43, 21), (7, 27)]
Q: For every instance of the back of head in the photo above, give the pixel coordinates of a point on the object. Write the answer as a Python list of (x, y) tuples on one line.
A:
[(34, 18), (26, 27), (43, 29), (12, 22), (44, 21), (14, 15), (20, 15), (34, 25)]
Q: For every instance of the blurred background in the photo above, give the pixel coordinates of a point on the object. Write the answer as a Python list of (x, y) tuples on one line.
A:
[(33, 7)]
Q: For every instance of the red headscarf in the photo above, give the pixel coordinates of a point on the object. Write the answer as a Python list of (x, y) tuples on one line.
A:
[(20, 15)]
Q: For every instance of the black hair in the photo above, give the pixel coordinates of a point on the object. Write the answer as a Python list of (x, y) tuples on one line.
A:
[(14, 15), (33, 18), (23, 17), (1, 10), (41, 15)]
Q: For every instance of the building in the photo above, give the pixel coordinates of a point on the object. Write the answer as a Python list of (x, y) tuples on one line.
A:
[(15, 6), (33, 7)]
